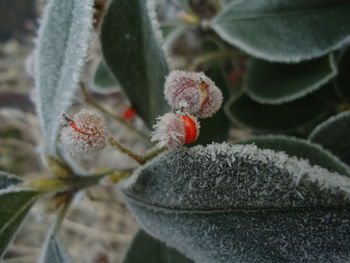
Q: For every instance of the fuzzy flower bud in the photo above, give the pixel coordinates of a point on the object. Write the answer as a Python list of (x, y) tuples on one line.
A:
[(85, 134), (192, 92), (175, 129)]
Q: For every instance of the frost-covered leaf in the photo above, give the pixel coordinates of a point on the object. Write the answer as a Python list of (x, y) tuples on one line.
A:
[(285, 30), (238, 203), (300, 148), (62, 45), (145, 248), (131, 47), (53, 251), (14, 205), (276, 83), (342, 82), (274, 118), (334, 135), (219, 120), (104, 81)]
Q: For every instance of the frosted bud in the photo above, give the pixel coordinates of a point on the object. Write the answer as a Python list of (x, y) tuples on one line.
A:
[(85, 134), (175, 129), (192, 92)]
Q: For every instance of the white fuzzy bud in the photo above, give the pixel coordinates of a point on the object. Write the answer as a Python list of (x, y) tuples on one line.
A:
[(192, 92), (85, 134)]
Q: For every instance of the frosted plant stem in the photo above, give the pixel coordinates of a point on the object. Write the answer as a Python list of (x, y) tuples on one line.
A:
[(92, 103), (141, 159), (212, 56)]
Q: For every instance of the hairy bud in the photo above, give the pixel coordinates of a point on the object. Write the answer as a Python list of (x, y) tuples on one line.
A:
[(86, 133), (175, 129), (192, 92)]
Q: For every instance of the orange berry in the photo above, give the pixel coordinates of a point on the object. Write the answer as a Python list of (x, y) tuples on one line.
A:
[(190, 128)]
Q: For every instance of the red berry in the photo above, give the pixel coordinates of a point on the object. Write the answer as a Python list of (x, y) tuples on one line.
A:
[(129, 113), (190, 128)]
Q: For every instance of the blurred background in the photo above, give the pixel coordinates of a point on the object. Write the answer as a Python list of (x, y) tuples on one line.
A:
[(98, 227)]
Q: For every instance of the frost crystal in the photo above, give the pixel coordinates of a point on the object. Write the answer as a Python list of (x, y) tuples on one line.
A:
[(85, 134), (192, 92), (170, 130)]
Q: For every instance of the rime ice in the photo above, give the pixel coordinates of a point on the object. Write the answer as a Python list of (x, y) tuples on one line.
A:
[(170, 130), (85, 134), (192, 92)]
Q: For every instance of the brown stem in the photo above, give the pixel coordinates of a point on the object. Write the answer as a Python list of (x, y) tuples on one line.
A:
[(141, 159)]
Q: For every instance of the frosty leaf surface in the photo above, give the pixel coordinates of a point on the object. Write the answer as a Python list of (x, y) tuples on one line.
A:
[(62, 44), (145, 248), (131, 45), (238, 203), (300, 148), (53, 251), (276, 83), (343, 79), (15, 203), (333, 134), (285, 30), (274, 118)]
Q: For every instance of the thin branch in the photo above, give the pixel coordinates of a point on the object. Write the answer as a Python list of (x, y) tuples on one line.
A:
[(91, 102), (141, 159)]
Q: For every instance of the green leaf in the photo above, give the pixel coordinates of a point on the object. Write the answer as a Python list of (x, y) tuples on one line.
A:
[(274, 118), (276, 83), (300, 148), (104, 81), (53, 251), (145, 248), (238, 203), (171, 33), (208, 134), (342, 81), (285, 30), (132, 50), (15, 203), (334, 135), (63, 41)]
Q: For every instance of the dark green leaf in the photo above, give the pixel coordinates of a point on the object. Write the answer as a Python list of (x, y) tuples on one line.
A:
[(53, 251), (171, 33), (276, 83), (342, 82), (63, 41), (285, 30), (274, 118), (104, 80), (238, 203), (334, 135), (132, 51), (145, 248), (300, 148), (14, 205), (215, 129)]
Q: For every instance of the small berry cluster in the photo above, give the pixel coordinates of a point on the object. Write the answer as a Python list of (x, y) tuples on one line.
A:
[(192, 95)]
